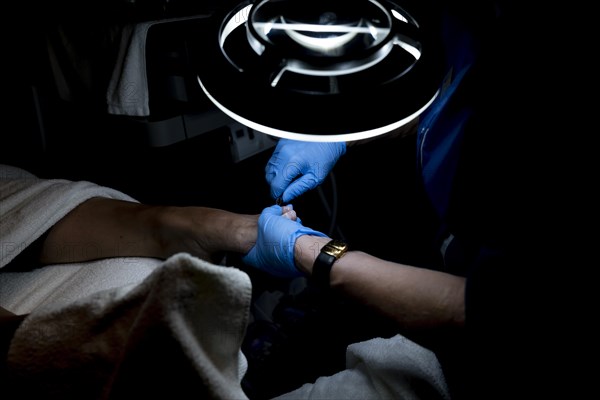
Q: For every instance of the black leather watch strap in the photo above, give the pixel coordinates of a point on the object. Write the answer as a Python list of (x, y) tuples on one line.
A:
[(329, 254)]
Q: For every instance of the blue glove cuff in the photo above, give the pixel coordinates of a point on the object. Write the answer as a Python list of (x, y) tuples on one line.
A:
[(277, 258), (292, 243)]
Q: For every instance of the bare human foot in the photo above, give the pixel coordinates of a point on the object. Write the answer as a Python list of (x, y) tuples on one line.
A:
[(204, 231)]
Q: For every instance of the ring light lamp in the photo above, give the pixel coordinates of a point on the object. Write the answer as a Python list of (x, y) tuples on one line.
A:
[(321, 70)]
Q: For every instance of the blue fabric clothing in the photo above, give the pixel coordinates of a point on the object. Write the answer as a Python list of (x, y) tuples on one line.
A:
[(442, 125)]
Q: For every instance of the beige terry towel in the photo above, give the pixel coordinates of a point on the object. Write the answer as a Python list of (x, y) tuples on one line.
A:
[(177, 334)]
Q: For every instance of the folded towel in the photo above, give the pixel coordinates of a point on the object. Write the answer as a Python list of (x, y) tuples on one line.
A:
[(127, 92), (380, 368), (177, 334)]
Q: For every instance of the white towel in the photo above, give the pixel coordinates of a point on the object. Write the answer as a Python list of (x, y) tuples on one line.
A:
[(127, 92), (25, 291), (177, 334), (377, 369), (30, 206)]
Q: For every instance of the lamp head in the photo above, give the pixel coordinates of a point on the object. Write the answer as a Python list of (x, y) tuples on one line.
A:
[(322, 70)]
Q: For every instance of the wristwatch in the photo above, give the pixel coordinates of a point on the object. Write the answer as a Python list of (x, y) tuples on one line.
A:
[(330, 253)]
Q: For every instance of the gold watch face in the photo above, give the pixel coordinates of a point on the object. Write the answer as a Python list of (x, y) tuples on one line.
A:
[(336, 248)]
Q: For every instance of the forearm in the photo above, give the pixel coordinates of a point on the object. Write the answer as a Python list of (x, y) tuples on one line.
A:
[(414, 297)]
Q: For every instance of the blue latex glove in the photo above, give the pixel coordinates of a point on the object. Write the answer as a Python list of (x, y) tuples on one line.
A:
[(310, 162), (274, 249)]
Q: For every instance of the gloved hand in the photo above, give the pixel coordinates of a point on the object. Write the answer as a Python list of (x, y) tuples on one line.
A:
[(310, 162), (274, 248)]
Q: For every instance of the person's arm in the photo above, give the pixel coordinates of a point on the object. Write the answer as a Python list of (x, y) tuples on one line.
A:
[(413, 297), (102, 227)]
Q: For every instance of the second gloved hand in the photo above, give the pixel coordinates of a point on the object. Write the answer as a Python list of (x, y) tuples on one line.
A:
[(309, 162), (274, 249)]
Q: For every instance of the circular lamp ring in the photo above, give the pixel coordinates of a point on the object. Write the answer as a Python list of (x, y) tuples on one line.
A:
[(321, 67), (320, 31)]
